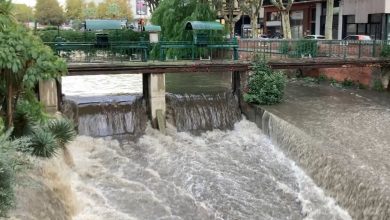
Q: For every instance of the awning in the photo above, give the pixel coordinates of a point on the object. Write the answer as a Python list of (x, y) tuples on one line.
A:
[(103, 24), (152, 28), (203, 25)]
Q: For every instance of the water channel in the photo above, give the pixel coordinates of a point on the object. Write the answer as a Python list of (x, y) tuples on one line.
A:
[(233, 172)]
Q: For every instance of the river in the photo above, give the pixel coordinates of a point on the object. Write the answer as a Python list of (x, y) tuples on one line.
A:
[(231, 172)]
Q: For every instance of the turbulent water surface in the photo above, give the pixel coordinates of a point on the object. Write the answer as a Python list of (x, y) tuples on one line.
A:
[(219, 174), (234, 174)]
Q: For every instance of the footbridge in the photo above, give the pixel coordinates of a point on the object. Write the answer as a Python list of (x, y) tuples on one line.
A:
[(154, 60)]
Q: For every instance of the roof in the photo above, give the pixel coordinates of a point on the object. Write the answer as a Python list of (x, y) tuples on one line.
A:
[(152, 28), (103, 24), (203, 25)]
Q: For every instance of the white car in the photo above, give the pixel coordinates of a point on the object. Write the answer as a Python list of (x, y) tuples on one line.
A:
[(315, 37)]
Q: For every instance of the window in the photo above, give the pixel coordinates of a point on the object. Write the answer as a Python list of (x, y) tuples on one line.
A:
[(351, 29), (350, 19), (361, 28), (375, 18)]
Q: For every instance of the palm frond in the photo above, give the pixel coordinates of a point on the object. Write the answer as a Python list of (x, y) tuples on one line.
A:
[(62, 129), (43, 144)]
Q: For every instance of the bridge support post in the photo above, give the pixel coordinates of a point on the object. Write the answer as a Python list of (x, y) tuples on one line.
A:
[(236, 85), (48, 95), (154, 94)]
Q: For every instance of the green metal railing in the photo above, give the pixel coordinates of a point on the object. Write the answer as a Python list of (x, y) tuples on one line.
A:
[(144, 51), (312, 48)]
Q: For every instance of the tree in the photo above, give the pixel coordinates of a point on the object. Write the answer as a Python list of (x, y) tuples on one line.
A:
[(329, 20), (172, 15), (284, 9), (90, 11), (23, 13), (49, 12), (252, 8), (152, 4), (74, 9), (226, 10), (24, 60), (118, 9)]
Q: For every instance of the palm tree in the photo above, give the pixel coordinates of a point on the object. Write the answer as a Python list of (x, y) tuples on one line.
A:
[(64, 132)]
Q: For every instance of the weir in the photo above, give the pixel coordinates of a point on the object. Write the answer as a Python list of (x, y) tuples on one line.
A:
[(153, 82)]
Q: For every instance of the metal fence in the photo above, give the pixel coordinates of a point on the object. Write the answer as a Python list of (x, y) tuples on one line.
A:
[(143, 51), (311, 48)]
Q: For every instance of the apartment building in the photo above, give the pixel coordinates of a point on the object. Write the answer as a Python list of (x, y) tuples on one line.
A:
[(306, 17), (369, 17)]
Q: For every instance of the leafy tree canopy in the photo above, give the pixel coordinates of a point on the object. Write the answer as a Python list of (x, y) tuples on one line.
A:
[(49, 12), (90, 11), (172, 16), (114, 9), (22, 12), (74, 9), (24, 60)]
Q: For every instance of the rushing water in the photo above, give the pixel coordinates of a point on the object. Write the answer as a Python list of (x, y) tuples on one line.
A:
[(235, 174), (218, 174)]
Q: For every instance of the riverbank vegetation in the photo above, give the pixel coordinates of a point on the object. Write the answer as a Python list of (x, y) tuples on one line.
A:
[(265, 85), (25, 130)]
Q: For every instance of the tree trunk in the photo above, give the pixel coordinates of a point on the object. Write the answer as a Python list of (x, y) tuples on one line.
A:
[(10, 122), (329, 20), (231, 27), (286, 24), (254, 25)]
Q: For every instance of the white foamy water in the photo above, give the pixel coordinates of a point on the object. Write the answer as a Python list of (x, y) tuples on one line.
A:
[(102, 84), (234, 174)]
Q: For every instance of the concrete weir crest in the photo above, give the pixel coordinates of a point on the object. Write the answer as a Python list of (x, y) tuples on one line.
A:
[(153, 82)]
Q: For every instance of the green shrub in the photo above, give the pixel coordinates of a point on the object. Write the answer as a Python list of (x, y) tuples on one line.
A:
[(349, 83), (283, 48), (385, 51), (306, 48), (2, 125), (265, 86), (6, 190), (322, 78), (310, 80), (9, 164), (377, 86)]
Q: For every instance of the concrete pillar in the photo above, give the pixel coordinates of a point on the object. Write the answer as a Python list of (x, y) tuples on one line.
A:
[(48, 95), (236, 85), (156, 91), (145, 90), (340, 26), (318, 18)]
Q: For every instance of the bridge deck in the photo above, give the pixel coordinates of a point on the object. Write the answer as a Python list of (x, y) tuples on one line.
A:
[(155, 67), (212, 66)]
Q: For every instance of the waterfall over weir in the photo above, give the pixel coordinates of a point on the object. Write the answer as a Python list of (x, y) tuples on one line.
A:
[(229, 171), (203, 112), (126, 115), (107, 116)]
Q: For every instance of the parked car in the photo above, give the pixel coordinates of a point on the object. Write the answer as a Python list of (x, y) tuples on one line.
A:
[(357, 37), (315, 37)]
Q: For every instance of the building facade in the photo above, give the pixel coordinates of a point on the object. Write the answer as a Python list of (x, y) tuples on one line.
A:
[(306, 17), (141, 12), (368, 17)]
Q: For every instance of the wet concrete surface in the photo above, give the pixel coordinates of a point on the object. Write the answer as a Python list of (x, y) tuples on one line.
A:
[(347, 142), (356, 121)]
